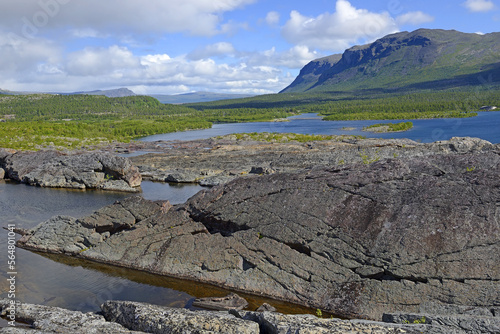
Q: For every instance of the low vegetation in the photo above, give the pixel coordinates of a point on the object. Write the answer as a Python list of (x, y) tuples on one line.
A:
[(284, 137), (389, 127), (75, 121)]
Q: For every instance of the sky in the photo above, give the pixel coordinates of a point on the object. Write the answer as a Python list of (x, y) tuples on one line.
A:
[(181, 46)]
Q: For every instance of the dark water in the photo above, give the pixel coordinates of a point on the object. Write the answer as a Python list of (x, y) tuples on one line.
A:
[(62, 281), (486, 126), (82, 285)]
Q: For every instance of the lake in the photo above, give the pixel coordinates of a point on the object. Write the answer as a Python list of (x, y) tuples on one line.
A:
[(486, 126), (82, 285)]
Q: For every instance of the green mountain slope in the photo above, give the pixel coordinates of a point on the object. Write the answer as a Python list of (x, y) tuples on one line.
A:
[(423, 59)]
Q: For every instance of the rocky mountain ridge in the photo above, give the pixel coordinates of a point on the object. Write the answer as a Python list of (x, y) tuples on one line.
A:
[(422, 59)]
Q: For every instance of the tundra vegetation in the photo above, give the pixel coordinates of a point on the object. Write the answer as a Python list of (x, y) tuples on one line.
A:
[(32, 122)]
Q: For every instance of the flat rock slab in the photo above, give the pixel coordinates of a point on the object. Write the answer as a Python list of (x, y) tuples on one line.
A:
[(229, 302), (135, 317), (156, 319), (358, 240), (218, 160)]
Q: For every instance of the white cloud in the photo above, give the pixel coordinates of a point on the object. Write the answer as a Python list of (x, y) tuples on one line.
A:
[(272, 18), (101, 61), (414, 18), (20, 56), (40, 67), (197, 17), (294, 58), (217, 49), (479, 5), (337, 31)]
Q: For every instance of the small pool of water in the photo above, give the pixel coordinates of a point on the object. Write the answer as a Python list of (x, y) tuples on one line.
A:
[(62, 281)]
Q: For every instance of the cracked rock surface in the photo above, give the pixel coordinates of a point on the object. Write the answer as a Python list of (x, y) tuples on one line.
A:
[(357, 240), (98, 170), (135, 317)]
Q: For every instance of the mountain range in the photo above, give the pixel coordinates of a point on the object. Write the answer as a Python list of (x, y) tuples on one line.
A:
[(422, 59), (195, 97)]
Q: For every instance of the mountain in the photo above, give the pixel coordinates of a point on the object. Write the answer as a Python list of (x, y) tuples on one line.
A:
[(120, 92), (197, 97), (422, 59)]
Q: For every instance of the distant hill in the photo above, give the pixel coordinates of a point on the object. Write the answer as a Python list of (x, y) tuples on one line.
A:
[(196, 97), (120, 92), (422, 59)]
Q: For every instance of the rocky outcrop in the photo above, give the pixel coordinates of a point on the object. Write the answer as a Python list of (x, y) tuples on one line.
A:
[(218, 160), (78, 170), (156, 319), (48, 319), (357, 240), (135, 317)]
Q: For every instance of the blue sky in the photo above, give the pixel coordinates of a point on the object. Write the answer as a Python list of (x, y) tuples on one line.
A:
[(180, 46)]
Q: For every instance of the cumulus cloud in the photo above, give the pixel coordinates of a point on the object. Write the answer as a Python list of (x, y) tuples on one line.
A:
[(38, 66), (100, 61), (20, 55), (414, 18), (294, 58), (337, 31), (197, 17), (479, 5), (217, 49)]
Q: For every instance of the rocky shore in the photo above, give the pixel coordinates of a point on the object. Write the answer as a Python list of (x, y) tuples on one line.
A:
[(82, 170), (134, 317), (219, 160), (358, 239)]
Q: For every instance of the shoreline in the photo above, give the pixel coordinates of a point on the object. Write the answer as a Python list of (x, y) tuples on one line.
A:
[(192, 232)]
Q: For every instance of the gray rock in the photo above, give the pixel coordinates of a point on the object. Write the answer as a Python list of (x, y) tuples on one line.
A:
[(77, 170), (216, 180), (47, 319), (453, 323), (277, 323), (204, 160), (2, 173), (266, 308), (357, 240), (183, 177), (229, 302), (156, 319), (262, 170)]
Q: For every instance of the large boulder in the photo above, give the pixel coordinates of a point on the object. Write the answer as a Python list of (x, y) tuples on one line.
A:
[(97, 170), (359, 240)]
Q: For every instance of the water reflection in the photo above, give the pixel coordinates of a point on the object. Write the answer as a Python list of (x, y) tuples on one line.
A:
[(62, 281)]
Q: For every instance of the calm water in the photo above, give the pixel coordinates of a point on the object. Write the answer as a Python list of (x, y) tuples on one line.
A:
[(486, 126), (82, 285)]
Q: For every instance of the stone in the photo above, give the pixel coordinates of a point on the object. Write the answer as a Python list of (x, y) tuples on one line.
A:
[(2, 173), (211, 161), (183, 177), (47, 319), (229, 302), (98, 170), (156, 319), (277, 323), (266, 308), (470, 324)]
